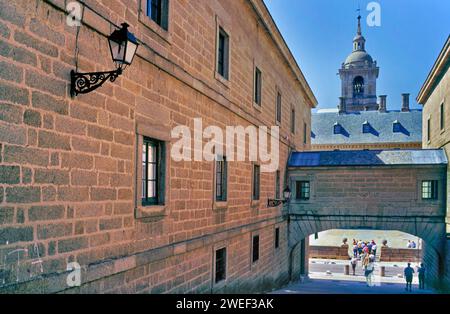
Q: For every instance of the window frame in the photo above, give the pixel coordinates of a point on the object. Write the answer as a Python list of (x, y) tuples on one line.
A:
[(161, 133), (255, 256), (442, 116), (277, 238), (256, 182), (222, 161), (221, 31), (293, 120), (164, 9), (216, 282), (300, 192), (429, 129), (257, 86), (432, 190), (159, 163), (278, 109)]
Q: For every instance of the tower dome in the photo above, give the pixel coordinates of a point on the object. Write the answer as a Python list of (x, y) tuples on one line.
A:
[(359, 57)]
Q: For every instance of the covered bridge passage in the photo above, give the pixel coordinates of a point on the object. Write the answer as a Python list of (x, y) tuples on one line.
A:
[(401, 190)]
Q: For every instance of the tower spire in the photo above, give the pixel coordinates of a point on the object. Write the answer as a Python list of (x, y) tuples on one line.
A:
[(359, 24)]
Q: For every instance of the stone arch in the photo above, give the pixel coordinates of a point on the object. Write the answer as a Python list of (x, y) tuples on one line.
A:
[(432, 233)]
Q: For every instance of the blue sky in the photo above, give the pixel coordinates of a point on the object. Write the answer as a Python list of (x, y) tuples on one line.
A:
[(405, 46)]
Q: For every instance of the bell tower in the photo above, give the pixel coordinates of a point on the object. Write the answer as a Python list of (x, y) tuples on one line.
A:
[(359, 74)]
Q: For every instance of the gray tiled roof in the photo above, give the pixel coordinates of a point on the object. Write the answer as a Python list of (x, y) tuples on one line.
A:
[(368, 158), (381, 127)]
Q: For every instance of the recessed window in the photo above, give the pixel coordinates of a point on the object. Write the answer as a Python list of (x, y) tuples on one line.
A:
[(152, 172), (223, 44), (293, 121), (221, 265), (430, 190), (255, 248), (256, 182), (428, 129), (158, 11), (366, 127), (257, 86), (396, 127), (277, 237), (305, 130), (442, 117), (277, 185), (221, 179), (303, 190), (278, 108), (337, 128)]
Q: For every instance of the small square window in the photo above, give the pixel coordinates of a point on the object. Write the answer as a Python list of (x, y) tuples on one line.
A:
[(430, 190), (303, 190), (221, 265)]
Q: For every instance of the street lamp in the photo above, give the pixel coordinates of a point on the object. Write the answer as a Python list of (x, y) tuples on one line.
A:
[(276, 202), (123, 46)]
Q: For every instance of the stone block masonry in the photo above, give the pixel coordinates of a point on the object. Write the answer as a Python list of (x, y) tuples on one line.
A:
[(68, 178)]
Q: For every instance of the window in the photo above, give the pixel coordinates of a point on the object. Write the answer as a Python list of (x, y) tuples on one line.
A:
[(255, 248), (256, 182), (430, 190), (396, 127), (278, 108), (337, 128), (222, 53), (152, 172), (257, 87), (358, 87), (428, 130), (221, 179), (158, 11), (293, 121), (442, 117), (277, 237), (221, 264), (366, 127), (277, 185), (305, 136), (303, 190)]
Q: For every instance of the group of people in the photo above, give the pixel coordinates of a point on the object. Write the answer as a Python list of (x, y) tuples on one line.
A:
[(367, 257), (411, 244), (409, 274), (363, 248)]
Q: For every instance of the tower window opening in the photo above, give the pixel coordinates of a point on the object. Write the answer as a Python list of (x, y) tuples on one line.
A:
[(358, 86)]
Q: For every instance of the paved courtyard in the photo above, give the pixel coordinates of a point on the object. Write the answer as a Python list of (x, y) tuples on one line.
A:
[(321, 285)]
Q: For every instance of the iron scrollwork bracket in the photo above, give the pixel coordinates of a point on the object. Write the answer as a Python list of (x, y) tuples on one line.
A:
[(274, 202), (82, 83)]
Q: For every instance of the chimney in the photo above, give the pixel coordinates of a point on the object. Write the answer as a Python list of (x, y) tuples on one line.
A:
[(382, 106), (341, 106), (405, 102)]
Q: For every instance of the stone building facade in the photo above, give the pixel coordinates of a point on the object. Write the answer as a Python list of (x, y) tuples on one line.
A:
[(70, 168), (434, 96)]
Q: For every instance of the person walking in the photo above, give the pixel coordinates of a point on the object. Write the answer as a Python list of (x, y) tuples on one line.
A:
[(409, 273), (368, 272), (421, 272), (354, 262)]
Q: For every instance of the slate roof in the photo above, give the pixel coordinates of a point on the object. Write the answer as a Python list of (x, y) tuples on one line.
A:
[(368, 158), (381, 127)]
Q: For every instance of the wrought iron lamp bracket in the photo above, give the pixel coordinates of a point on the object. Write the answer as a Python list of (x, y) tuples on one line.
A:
[(83, 83)]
